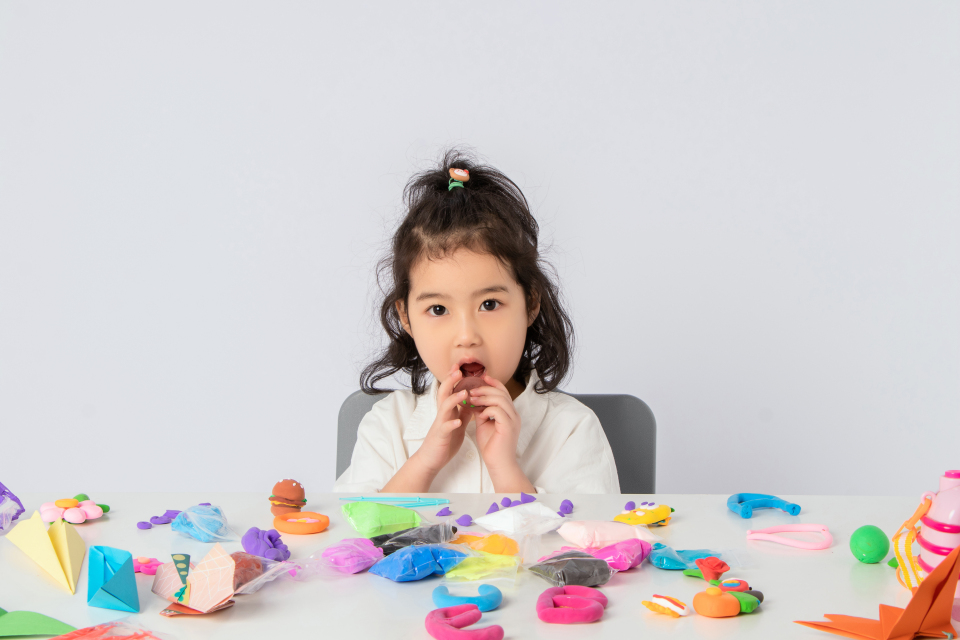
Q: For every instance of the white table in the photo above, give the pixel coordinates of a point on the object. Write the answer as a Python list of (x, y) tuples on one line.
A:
[(797, 584)]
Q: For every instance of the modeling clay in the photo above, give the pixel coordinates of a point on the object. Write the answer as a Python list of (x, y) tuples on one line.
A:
[(448, 624), (570, 605), (869, 544), (266, 544), (505, 502), (496, 543), (630, 506), (144, 525), (573, 568), (58, 550), (525, 498), (600, 533), (146, 566), (515, 503), (373, 519), (485, 566), (743, 504), (531, 518), (111, 583), (204, 523), (715, 603), (301, 523), (621, 556), (465, 520), (768, 535), (74, 510), (667, 606), (28, 623), (566, 507), (116, 630), (416, 563), (927, 614), (352, 555), (489, 598), (493, 507), (445, 512), (10, 509), (288, 496), (429, 534), (664, 557), (647, 513)]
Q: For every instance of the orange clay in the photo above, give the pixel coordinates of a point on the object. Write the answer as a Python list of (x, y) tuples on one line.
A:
[(66, 503), (714, 603), (282, 524), (494, 543), (465, 539), (656, 608)]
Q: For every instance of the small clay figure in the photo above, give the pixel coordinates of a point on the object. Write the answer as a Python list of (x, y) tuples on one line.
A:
[(288, 496)]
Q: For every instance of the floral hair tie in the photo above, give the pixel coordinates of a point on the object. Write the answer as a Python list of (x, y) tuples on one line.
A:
[(457, 178)]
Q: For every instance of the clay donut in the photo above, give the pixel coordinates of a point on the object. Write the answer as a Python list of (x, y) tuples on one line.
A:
[(280, 523), (489, 599), (448, 624), (460, 175), (571, 604)]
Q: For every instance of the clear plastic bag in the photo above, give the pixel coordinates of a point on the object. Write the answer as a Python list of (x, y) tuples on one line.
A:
[(10, 508), (204, 523), (374, 518), (418, 562), (621, 556), (351, 555), (429, 534), (483, 567), (573, 568), (601, 533), (253, 572), (531, 518), (664, 557), (118, 630)]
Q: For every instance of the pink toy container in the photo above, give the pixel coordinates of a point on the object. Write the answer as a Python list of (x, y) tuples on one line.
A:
[(940, 527)]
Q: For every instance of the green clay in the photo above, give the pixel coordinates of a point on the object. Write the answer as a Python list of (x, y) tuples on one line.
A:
[(893, 563), (80, 497), (748, 603), (374, 519), (484, 566), (693, 573), (869, 544), (104, 507)]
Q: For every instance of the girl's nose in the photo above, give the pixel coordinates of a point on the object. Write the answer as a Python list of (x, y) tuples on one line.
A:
[(468, 334)]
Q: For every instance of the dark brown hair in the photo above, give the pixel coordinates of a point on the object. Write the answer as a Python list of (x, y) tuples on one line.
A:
[(488, 215)]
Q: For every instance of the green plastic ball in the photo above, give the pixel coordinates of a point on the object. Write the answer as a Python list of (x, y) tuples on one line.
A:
[(869, 544)]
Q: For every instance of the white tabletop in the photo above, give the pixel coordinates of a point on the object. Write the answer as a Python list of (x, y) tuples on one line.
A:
[(797, 584)]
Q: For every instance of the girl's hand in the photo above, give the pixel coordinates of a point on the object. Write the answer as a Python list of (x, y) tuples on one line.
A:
[(445, 436), (498, 426)]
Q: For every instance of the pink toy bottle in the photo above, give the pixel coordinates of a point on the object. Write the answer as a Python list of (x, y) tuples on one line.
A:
[(940, 527)]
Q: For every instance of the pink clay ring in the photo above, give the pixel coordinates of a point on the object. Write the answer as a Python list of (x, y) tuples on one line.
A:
[(571, 604), (448, 624), (767, 534)]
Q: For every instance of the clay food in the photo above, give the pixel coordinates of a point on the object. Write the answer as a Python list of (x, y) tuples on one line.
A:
[(472, 377), (288, 497)]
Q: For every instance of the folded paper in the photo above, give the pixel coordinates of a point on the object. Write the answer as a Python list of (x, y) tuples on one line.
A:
[(58, 550), (28, 623), (111, 583), (209, 585)]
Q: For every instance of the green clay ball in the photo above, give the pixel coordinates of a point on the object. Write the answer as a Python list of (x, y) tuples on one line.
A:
[(869, 544)]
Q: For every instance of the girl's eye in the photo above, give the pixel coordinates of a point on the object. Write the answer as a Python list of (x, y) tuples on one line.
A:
[(437, 310), (490, 305)]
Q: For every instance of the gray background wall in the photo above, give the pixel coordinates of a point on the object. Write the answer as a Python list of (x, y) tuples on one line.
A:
[(752, 207)]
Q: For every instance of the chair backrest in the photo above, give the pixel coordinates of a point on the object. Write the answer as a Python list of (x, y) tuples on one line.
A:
[(627, 422)]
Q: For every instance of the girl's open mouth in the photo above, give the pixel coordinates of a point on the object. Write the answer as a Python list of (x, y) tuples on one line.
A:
[(472, 376)]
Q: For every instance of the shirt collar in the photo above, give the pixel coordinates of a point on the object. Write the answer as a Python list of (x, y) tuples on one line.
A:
[(530, 405)]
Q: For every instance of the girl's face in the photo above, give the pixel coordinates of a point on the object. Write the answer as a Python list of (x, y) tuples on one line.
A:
[(467, 308)]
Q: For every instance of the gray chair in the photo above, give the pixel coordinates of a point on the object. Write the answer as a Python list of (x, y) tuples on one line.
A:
[(627, 422)]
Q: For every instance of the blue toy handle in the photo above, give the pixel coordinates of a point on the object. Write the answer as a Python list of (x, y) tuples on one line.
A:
[(743, 504)]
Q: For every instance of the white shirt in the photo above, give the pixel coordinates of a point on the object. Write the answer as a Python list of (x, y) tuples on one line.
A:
[(561, 447)]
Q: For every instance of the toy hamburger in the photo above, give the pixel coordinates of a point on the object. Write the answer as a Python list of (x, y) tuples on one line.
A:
[(287, 497)]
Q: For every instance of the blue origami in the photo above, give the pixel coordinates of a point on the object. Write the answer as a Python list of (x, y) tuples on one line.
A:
[(417, 562), (111, 583), (664, 557)]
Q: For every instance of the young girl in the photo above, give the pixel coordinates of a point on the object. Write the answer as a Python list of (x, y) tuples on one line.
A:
[(468, 302)]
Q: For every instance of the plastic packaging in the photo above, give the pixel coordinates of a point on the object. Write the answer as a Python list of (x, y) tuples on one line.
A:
[(498, 543), (621, 556), (418, 562), (253, 572), (205, 523), (532, 518), (573, 568), (351, 555), (601, 533), (664, 557), (374, 519), (480, 566), (10, 508), (118, 629), (429, 534)]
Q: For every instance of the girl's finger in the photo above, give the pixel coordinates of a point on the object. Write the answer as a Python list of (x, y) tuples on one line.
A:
[(492, 413), (446, 387), (493, 382), (450, 425), (451, 401)]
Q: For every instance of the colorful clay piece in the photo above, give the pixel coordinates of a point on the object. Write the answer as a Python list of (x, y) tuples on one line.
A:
[(600, 533), (532, 518), (566, 507), (288, 496), (715, 603), (374, 519), (664, 557), (352, 555), (667, 606), (493, 507), (429, 534), (571, 605), (573, 568), (525, 498), (465, 520), (484, 566), (505, 502), (203, 522), (489, 598), (10, 509), (265, 544), (869, 544), (768, 535), (743, 504), (448, 623), (301, 523), (74, 510), (630, 506), (649, 513), (445, 512), (144, 525), (146, 566), (417, 563), (495, 543)]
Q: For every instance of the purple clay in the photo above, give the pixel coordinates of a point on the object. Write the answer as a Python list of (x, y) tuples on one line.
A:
[(505, 502), (630, 506), (445, 512), (566, 507), (160, 520), (514, 503), (524, 498), (493, 507), (561, 514), (205, 504), (465, 520), (170, 513), (144, 525)]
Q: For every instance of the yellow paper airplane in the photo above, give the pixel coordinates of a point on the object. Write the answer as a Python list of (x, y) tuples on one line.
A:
[(59, 551)]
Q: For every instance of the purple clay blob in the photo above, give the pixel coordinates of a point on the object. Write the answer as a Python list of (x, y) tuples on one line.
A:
[(630, 506), (445, 512), (170, 513), (566, 506), (561, 514), (205, 504), (160, 520), (505, 502), (144, 525), (515, 503), (465, 520), (524, 498), (493, 507), (266, 544)]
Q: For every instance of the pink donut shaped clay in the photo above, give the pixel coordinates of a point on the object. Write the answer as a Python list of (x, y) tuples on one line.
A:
[(448, 624), (571, 604), (767, 534)]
